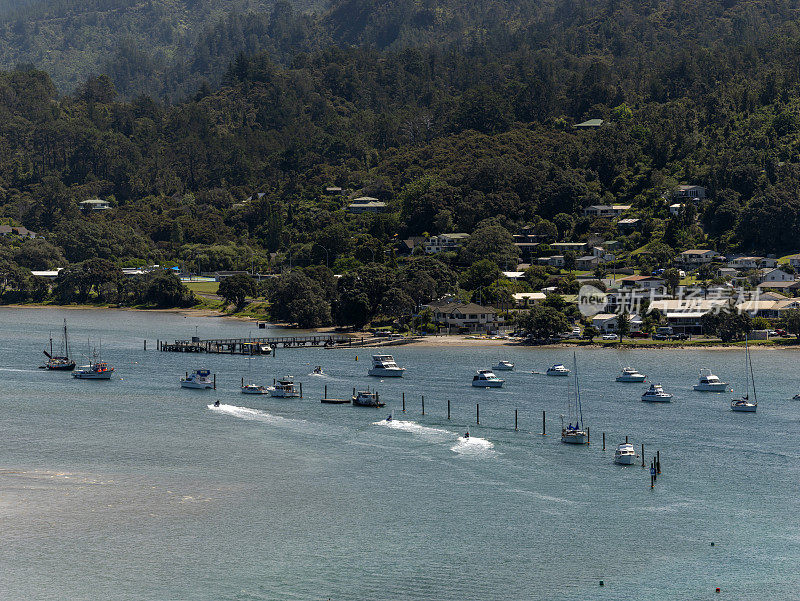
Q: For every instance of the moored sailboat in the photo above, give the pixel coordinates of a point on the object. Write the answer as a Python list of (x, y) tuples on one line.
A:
[(744, 404), (60, 362), (574, 433)]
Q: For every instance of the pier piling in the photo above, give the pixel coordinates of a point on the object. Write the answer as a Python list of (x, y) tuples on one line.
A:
[(423, 404), (604, 441), (404, 401), (516, 419), (477, 413), (588, 435), (626, 440), (325, 395), (544, 432), (145, 344), (448, 408), (301, 389), (642, 454), (215, 381), (658, 462)]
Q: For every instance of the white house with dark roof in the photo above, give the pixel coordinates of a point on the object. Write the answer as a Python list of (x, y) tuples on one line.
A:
[(366, 204), (470, 316), (695, 256), (445, 242), (689, 192), (95, 204)]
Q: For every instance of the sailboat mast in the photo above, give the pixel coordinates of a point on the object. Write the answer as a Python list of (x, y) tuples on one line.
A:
[(746, 376), (752, 377), (66, 341), (577, 388)]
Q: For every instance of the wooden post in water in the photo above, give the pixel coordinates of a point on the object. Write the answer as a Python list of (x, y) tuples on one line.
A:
[(423, 404), (516, 419), (642, 454), (404, 401), (604, 441), (626, 440), (477, 413), (301, 390), (325, 396), (215, 381), (242, 382), (448, 408), (187, 375), (658, 462), (544, 432), (158, 344), (145, 344), (588, 434)]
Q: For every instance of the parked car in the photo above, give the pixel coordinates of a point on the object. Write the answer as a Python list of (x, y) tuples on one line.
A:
[(660, 337), (772, 332), (640, 335), (610, 336), (680, 336), (781, 332)]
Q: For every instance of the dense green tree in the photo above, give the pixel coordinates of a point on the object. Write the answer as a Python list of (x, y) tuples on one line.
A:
[(543, 322), (236, 288)]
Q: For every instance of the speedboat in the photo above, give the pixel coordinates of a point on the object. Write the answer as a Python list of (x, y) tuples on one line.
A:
[(504, 366), (367, 398), (200, 379), (96, 370), (285, 389), (625, 454), (485, 378), (557, 370), (744, 405), (630, 375), (656, 394), (710, 383), (384, 366), (254, 389)]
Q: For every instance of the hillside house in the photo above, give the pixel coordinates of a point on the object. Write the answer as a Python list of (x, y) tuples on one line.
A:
[(689, 192), (794, 261), (774, 275), (94, 204), (22, 232), (366, 204), (552, 261), (525, 300), (695, 256), (610, 211), (445, 242)]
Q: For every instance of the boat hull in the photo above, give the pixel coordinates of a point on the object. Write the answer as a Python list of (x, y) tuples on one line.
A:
[(625, 459), (503, 368), (657, 399), (382, 372), (558, 374), (633, 379), (196, 385), (488, 383), (574, 437), (60, 367), (282, 394), (246, 390), (91, 376), (721, 387), (749, 408)]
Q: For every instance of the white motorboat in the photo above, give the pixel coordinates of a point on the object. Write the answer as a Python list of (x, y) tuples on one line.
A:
[(744, 404), (384, 366), (574, 433), (625, 454), (200, 379), (367, 398), (557, 370), (629, 374), (254, 389), (710, 383), (485, 378), (504, 366), (285, 389), (656, 394)]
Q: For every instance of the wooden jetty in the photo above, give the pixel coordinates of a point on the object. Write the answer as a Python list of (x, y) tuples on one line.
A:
[(325, 399), (263, 345)]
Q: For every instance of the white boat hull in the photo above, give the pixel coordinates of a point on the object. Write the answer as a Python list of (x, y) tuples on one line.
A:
[(636, 379), (91, 375), (254, 390), (721, 387), (282, 394), (749, 408), (562, 374), (383, 372), (625, 459), (196, 385), (488, 383), (503, 368), (574, 437), (657, 399)]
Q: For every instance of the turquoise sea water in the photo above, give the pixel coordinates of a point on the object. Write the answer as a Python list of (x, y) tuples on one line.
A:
[(136, 489)]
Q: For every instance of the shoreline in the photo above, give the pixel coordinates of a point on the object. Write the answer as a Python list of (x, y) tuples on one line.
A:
[(445, 340)]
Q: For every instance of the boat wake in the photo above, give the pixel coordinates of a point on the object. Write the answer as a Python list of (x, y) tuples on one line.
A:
[(415, 428), (474, 446), (256, 415)]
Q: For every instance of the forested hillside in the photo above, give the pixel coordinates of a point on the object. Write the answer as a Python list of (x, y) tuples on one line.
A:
[(459, 116)]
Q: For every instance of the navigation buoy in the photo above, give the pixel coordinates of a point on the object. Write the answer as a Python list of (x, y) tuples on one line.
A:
[(602, 583), (712, 543), (718, 590), (356, 357)]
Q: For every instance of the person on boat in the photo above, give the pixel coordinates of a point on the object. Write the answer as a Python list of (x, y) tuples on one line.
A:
[(389, 418), (466, 434), (216, 403)]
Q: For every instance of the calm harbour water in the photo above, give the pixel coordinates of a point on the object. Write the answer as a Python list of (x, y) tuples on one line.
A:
[(136, 489)]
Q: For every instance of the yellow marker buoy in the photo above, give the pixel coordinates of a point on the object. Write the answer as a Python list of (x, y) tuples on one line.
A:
[(356, 357)]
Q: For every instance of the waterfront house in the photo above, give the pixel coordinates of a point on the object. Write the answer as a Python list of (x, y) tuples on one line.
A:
[(525, 300), (609, 322), (469, 316), (685, 314)]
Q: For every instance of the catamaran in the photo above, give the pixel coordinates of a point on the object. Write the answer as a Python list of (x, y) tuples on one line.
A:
[(744, 405), (60, 362), (574, 433)]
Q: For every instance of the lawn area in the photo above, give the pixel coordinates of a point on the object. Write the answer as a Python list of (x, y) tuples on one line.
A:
[(203, 287)]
